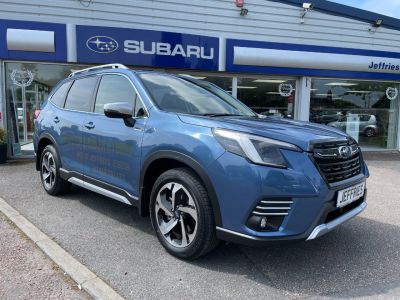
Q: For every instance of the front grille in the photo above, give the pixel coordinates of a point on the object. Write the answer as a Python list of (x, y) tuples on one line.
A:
[(337, 161), (276, 207)]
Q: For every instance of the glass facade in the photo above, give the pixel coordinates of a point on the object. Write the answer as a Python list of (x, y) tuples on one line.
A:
[(266, 96), (27, 85), (366, 110)]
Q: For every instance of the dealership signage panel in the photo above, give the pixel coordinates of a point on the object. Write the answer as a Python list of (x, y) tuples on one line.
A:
[(146, 48), (308, 60), (33, 41), (314, 60)]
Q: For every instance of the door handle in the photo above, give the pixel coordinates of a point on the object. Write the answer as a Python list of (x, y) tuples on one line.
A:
[(56, 119), (89, 125)]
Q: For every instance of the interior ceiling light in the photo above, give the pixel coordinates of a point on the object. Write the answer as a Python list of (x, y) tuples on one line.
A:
[(326, 95), (246, 87), (270, 80), (358, 92), (341, 84)]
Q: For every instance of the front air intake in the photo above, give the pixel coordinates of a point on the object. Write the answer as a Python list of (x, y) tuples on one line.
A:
[(268, 214)]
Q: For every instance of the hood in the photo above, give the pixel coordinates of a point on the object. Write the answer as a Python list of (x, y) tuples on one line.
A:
[(298, 133)]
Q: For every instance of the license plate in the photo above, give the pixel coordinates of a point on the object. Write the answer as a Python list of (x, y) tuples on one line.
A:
[(350, 194)]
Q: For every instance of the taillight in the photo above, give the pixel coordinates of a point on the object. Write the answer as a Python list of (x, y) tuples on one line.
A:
[(36, 114)]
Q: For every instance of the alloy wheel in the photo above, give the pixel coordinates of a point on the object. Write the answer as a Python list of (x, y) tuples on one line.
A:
[(49, 172), (176, 214)]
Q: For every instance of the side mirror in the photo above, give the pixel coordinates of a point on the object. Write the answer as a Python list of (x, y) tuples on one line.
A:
[(118, 110)]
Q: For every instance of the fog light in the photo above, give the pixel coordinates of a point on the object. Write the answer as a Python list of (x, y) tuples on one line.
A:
[(263, 222)]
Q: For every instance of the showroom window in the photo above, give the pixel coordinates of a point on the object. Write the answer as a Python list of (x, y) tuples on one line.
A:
[(27, 86), (366, 110), (266, 96)]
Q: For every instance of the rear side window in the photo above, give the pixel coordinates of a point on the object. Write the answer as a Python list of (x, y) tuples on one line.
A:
[(80, 94), (58, 97), (114, 88)]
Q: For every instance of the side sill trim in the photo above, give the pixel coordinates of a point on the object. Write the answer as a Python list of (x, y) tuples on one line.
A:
[(325, 228), (98, 190)]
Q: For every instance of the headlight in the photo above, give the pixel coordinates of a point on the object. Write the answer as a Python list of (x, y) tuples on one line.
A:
[(257, 149)]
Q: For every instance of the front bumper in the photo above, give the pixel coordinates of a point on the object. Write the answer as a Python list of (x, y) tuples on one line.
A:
[(325, 228), (319, 230), (240, 186)]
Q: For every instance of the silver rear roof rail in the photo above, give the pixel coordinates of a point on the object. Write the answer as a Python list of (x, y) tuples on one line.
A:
[(108, 66)]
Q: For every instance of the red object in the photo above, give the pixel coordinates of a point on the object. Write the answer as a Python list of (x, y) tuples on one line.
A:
[(36, 114), (239, 3)]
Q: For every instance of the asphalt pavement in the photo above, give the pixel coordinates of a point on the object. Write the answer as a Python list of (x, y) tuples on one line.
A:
[(360, 259)]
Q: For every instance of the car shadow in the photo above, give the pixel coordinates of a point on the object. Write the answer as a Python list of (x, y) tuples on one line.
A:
[(358, 254)]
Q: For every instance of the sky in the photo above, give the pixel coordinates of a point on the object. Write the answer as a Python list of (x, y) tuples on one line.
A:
[(386, 7)]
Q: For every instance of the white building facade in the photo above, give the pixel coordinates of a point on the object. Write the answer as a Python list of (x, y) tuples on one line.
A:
[(330, 64)]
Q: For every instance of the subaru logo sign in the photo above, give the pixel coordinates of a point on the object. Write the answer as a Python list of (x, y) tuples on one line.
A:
[(102, 44)]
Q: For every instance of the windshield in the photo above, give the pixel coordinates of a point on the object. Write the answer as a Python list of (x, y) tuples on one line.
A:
[(191, 96)]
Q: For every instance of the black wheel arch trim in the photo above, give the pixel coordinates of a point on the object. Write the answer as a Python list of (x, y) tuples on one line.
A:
[(194, 165), (48, 136)]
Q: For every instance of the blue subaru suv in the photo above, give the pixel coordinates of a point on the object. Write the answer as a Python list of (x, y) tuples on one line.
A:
[(203, 165)]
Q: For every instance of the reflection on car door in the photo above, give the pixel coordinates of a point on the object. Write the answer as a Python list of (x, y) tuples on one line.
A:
[(78, 103), (111, 148)]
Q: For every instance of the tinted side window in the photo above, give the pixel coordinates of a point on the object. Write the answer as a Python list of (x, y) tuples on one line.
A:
[(114, 88), (58, 97), (80, 94)]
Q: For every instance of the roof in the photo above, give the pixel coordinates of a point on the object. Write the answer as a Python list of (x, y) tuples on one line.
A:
[(346, 11)]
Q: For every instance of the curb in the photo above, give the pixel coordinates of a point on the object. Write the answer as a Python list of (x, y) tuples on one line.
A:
[(85, 278)]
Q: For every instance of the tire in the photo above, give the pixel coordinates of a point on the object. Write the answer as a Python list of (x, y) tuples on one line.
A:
[(369, 132), (192, 211), (50, 172)]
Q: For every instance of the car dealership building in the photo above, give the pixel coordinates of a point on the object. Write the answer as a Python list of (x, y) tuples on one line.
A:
[(321, 61)]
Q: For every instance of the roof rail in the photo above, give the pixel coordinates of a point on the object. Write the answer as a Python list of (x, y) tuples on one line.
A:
[(111, 66)]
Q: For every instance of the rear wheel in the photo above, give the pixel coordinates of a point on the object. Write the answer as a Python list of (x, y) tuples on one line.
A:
[(182, 215), (50, 172)]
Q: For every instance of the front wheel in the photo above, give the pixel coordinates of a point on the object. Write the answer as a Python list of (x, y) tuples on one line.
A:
[(182, 215)]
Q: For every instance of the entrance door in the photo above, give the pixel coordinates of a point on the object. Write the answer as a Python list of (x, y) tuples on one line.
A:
[(26, 95)]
